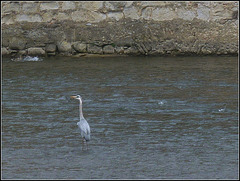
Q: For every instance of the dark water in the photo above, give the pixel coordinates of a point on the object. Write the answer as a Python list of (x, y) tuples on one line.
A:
[(149, 117)]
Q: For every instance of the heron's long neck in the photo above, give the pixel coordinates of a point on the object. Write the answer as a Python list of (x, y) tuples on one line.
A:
[(80, 110)]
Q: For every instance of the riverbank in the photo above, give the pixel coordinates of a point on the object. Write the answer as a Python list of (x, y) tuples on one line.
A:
[(119, 28)]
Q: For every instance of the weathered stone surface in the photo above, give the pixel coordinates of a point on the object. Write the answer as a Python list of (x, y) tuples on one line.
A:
[(22, 52), (133, 27), (203, 12), (35, 51), (5, 41), (152, 3), (163, 14), (131, 51), (50, 48), (8, 19), (91, 48), (33, 18), (147, 13), (48, 16), (92, 6), (80, 47), (13, 51), (115, 15), (62, 16), (108, 49), (23, 17), (221, 15), (185, 14), (64, 46), (30, 7), (35, 37), (11, 7), (88, 16), (119, 50), (114, 5), (17, 43), (131, 12), (49, 5), (128, 3), (227, 49), (5, 51), (66, 5)]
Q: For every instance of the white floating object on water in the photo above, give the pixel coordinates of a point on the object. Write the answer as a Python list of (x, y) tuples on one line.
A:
[(223, 109), (29, 58), (161, 102)]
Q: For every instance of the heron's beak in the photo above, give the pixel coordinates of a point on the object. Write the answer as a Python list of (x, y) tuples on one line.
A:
[(73, 97)]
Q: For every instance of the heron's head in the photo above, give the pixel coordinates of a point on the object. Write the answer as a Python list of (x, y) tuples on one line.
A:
[(77, 97)]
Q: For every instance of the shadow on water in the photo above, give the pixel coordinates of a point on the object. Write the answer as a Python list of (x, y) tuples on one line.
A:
[(150, 117)]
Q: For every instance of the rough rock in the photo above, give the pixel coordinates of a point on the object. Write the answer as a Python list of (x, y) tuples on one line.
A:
[(186, 14), (64, 46), (88, 16), (119, 50), (131, 12), (108, 49), (35, 51), (163, 14), (93, 6), (152, 3), (80, 47), (132, 51), (22, 52), (16, 43), (131, 27), (114, 5), (49, 5), (27, 18), (7, 19), (11, 7), (30, 7), (62, 16), (66, 5), (115, 15), (50, 48), (91, 48), (203, 13), (5, 51)]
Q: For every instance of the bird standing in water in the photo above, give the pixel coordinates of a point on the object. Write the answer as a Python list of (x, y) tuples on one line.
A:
[(82, 124)]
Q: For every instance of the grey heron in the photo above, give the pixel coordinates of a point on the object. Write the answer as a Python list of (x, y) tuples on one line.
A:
[(82, 124)]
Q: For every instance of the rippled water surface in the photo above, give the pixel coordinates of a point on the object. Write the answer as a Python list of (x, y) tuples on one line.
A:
[(158, 117)]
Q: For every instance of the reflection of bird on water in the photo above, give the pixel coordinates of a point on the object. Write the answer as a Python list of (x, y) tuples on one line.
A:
[(82, 124), (223, 109)]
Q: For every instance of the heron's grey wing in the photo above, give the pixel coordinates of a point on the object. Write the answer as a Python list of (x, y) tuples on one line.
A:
[(85, 130), (84, 127)]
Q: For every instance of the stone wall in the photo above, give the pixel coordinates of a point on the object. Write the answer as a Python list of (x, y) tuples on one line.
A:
[(79, 28)]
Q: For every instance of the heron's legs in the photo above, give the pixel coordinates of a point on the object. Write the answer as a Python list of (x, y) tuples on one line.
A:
[(83, 143), (87, 145)]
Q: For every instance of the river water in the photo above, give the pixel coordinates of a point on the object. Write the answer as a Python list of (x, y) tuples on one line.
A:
[(150, 118)]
